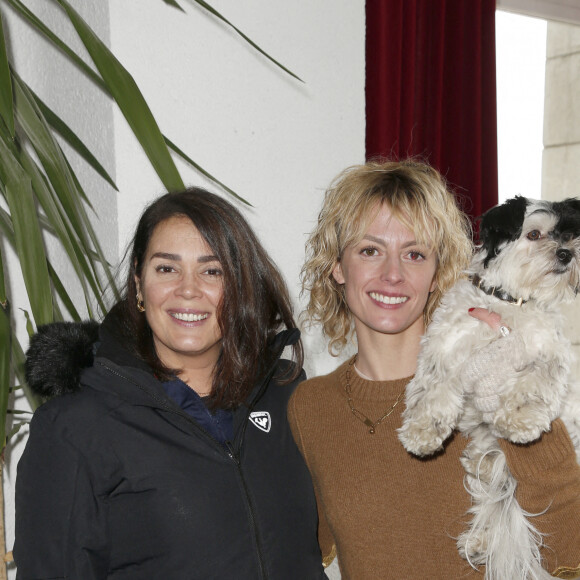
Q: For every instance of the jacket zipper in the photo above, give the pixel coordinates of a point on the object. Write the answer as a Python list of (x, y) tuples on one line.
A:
[(259, 555), (230, 453), (237, 461)]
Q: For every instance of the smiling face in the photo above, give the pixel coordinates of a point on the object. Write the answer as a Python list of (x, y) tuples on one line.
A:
[(181, 286), (387, 278)]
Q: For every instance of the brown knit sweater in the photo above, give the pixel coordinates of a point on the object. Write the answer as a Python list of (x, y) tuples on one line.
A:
[(393, 516)]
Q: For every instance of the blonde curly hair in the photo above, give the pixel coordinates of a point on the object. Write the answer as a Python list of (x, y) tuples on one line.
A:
[(418, 197)]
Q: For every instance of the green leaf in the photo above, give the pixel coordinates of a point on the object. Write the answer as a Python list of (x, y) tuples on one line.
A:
[(50, 155), (6, 228), (63, 295), (49, 152), (71, 138), (174, 4), (101, 84), (28, 239), (6, 104), (58, 224), (30, 248), (62, 46), (2, 281), (64, 211), (58, 171), (18, 359), (249, 41), (15, 428), (177, 150), (5, 342), (130, 100), (29, 325)]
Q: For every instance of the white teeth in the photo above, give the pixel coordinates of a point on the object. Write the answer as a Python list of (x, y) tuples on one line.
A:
[(189, 317), (388, 299)]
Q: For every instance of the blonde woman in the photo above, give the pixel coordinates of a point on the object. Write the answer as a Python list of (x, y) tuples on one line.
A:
[(390, 241)]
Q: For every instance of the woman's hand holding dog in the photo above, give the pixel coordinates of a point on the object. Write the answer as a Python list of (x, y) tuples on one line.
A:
[(486, 372)]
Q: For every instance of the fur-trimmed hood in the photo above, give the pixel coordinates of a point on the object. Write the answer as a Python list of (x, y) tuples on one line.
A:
[(57, 354)]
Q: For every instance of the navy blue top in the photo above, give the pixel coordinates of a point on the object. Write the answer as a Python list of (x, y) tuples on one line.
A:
[(219, 424)]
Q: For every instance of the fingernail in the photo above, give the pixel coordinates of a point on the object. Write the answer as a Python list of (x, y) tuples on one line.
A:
[(471, 310)]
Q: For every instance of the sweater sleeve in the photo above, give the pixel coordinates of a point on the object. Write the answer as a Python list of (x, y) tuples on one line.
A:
[(325, 537), (548, 477), (60, 523)]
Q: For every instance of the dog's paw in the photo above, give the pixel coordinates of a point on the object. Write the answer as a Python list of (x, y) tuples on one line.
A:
[(520, 427), (518, 436), (473, 547), (423, 438)]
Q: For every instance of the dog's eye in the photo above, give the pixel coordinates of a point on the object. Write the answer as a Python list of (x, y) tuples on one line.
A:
[(534, 235)]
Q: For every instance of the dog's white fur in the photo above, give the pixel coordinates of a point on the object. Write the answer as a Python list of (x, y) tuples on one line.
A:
[(522, 260)]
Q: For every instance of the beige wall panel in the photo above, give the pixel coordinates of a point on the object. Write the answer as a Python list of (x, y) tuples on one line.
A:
[(562, 39), (561, 158), (561, 172), (562, 100)]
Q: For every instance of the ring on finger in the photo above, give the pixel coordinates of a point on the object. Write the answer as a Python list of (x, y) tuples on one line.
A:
[(504, 330)]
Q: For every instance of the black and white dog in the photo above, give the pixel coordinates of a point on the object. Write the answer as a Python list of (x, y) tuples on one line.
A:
[(527, 266)]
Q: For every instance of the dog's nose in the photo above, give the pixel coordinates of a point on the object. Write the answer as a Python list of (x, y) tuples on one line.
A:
[(563, 255)]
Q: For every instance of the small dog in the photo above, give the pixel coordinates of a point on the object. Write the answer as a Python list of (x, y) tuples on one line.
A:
[(527, 265)]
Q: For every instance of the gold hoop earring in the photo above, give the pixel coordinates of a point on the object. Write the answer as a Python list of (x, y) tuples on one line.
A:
[(140, 304)]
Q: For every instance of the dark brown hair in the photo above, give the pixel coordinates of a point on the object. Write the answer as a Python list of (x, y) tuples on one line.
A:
[(255, 303)]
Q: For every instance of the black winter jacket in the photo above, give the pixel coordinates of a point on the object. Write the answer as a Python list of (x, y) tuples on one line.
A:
[(118, 482)]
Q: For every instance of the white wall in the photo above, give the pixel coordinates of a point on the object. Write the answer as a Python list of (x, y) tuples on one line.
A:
[(276, 141)]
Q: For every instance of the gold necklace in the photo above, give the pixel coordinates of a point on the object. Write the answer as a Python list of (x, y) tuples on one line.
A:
[(358, 414)]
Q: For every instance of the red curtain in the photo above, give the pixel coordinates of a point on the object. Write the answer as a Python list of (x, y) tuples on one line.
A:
[(431, 90)]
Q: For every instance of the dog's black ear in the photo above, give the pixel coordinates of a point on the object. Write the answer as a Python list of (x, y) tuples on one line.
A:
[(502, 224), (572, 202), (568, 212)]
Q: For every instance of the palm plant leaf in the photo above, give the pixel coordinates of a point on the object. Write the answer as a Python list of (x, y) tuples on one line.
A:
[(54, 39), (57, 223), (105, 86), (213, 11), (27, 234), (5, 339), (61, 178), (201, 170), (17, 358), (130, 101), (63, 295), (174, 4), (6, 103), (15, 428), (71, 138)]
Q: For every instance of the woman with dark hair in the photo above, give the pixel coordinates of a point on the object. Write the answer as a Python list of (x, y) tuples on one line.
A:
[(167, 454)]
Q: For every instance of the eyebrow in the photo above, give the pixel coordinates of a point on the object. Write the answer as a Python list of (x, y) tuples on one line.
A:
[(382, 242), (177, 257)]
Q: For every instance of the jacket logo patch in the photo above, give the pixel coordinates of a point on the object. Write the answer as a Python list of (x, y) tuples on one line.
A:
[(261, 419)]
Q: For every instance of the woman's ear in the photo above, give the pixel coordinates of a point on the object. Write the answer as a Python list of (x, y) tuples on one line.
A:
[(138, 285), (337, 273)]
